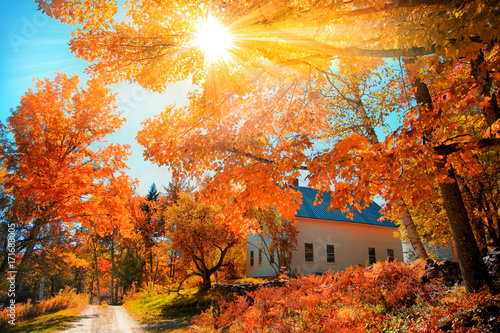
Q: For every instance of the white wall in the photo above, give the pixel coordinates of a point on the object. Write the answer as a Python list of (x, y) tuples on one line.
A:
[(351, 242), (257, 270)]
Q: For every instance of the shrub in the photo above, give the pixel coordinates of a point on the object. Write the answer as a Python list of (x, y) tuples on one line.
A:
[(390, 297), (67, 298)]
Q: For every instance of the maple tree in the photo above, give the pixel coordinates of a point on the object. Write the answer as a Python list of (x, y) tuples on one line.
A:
[(357, 103), (201, 235), (59, 168), (175, 188), (448, 167), (254, 120)]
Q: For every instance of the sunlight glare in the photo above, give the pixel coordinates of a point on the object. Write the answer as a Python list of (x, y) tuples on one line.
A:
[(213, 39)]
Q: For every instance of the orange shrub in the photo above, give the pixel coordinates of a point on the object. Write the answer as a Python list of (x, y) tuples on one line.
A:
[(388, 297), (64, 300)]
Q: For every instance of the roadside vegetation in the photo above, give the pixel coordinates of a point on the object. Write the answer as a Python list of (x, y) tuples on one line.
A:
[(389, 297), (150, 306), (47, 316), (167, 310)]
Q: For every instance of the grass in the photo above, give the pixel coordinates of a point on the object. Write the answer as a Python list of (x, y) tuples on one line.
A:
[(47, 316), (248, 280), (173, 305), (168, 311), (46, 323)]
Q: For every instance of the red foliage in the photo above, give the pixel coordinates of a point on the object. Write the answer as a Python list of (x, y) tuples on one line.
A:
[(388, 297), (103, 265)]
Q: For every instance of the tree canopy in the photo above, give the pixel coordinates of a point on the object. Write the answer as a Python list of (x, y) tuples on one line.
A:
[(58, 170), (261, 115)]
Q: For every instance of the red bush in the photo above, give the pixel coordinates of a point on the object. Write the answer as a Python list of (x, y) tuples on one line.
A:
[(388, 297)]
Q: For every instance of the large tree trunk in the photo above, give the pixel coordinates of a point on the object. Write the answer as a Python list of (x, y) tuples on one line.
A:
[(474, 272), (206, 284), (206, 272)]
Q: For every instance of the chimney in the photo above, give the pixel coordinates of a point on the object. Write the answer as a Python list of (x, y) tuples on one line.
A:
[(295, 182)]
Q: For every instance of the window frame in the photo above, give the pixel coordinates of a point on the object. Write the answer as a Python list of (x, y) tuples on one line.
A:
[(260, 257), (330, 254), (252, 258), (390, 255), (372, 258), (308, 253)]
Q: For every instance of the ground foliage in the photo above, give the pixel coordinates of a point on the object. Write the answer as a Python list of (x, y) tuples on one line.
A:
[(66, 299), (389, 297)]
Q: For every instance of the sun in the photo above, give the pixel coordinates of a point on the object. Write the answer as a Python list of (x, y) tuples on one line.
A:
[(213, 39)]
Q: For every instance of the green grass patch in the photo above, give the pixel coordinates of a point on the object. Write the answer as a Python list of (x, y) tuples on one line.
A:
[(173, 305), (46, 323), (248, 280)]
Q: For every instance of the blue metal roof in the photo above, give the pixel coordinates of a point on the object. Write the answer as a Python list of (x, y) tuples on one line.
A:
[(369, 215)]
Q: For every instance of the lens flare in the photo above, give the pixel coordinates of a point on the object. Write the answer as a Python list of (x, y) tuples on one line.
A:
[(213, 39)]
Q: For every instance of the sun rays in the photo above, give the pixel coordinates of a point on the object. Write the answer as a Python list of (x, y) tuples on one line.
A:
[(213, 39)]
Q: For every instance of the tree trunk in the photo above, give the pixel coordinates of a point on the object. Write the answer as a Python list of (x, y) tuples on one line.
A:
[(474, 272), (113, 300), (151, 269), (206, 284), (5, 256), (30, 246), (41, 290), (408, 223), (173, 258), (492, 222), (91, 288), (97, 275), (413, 235)]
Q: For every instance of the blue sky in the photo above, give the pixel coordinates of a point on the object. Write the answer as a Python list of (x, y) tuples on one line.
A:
[(33, 45)]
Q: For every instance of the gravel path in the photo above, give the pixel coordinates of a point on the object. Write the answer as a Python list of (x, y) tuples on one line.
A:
[(103, 319)]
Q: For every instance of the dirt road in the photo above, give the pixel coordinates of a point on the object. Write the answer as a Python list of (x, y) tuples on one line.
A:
[(104, 319)]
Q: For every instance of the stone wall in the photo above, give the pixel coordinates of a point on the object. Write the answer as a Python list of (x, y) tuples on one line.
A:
[(229, 292), (492, 262), (447, 270)]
